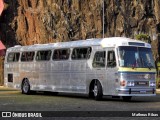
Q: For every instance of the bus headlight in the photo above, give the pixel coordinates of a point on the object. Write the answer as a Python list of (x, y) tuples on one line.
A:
[(123, 83), (152, 84), (130, 83)]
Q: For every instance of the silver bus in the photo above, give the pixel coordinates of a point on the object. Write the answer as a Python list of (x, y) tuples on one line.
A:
[(115, 66)]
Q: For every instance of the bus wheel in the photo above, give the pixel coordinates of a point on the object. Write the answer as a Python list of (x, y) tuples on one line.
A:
[(25, 87), (127, 98), (97, 90)]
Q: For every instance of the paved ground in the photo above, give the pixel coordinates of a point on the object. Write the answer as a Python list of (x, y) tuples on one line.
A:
[(12, 100)]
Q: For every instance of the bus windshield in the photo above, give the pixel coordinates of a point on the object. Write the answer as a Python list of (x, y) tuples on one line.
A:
[(138, 57)]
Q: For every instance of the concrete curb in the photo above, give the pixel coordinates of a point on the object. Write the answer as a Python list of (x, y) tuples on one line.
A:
[(2, 88)]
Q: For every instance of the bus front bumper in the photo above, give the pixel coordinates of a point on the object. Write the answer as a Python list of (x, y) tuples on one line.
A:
[(136, 92)]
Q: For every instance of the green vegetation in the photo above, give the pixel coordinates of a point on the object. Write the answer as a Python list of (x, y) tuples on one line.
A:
[(143, 37), (157, 82)]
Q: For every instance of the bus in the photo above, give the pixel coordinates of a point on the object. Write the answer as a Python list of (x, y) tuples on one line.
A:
[(115, 66)]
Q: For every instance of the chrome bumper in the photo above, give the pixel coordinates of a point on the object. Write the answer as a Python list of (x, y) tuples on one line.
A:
[(136, 92)]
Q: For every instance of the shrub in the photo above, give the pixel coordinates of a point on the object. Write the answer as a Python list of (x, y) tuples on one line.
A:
[(143, 37)]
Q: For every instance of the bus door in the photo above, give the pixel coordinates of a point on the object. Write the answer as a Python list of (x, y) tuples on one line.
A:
[(99, 69), (111, 70)]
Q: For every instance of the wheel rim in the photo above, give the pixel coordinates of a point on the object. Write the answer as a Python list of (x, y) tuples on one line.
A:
[(25, 86), (95, 90)]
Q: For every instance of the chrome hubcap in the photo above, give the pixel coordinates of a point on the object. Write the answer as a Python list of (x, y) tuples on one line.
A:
[(95, 90), (25, 86)]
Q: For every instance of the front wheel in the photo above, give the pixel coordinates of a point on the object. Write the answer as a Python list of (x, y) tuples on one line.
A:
[(25, 87), (97, 90)]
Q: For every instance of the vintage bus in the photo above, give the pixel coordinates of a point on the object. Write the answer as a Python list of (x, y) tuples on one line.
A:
[(115, 66)]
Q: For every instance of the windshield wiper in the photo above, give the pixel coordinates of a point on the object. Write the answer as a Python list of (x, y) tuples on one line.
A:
[(149, 65)]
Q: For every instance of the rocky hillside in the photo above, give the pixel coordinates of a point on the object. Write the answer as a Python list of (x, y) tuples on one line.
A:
[(42, 21)]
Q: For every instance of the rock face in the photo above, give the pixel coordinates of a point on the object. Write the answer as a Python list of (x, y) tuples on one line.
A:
[(28, 22)]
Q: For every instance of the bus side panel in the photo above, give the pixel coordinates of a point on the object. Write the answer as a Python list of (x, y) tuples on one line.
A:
[(78, 76), (60, 76)]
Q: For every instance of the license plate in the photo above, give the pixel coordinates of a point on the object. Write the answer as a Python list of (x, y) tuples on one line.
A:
[(142, 83)]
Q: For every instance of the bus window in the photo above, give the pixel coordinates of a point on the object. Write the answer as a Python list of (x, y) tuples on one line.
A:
[(61, 54), (81, 53), (13, 57), (99, 59), (27, 56), (111, 60), (43, 55)]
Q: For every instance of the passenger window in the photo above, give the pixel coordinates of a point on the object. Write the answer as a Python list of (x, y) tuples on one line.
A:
[(81, 53), (43, 55), (13, 57), (27, 56), (99, 59), (111, 59), (61, 54)]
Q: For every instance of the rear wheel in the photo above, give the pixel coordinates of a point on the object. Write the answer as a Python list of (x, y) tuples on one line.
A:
[(127, 98), (97, 90), (25, 87)]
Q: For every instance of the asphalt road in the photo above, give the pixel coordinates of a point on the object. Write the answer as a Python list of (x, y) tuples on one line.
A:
[(12, 100)]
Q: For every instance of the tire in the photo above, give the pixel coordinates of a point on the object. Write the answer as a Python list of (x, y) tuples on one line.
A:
[(127, 98), (25, 87), (91, 94), (97, 90)]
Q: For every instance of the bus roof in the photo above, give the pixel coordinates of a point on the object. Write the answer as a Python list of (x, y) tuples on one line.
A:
[(103, 42)]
